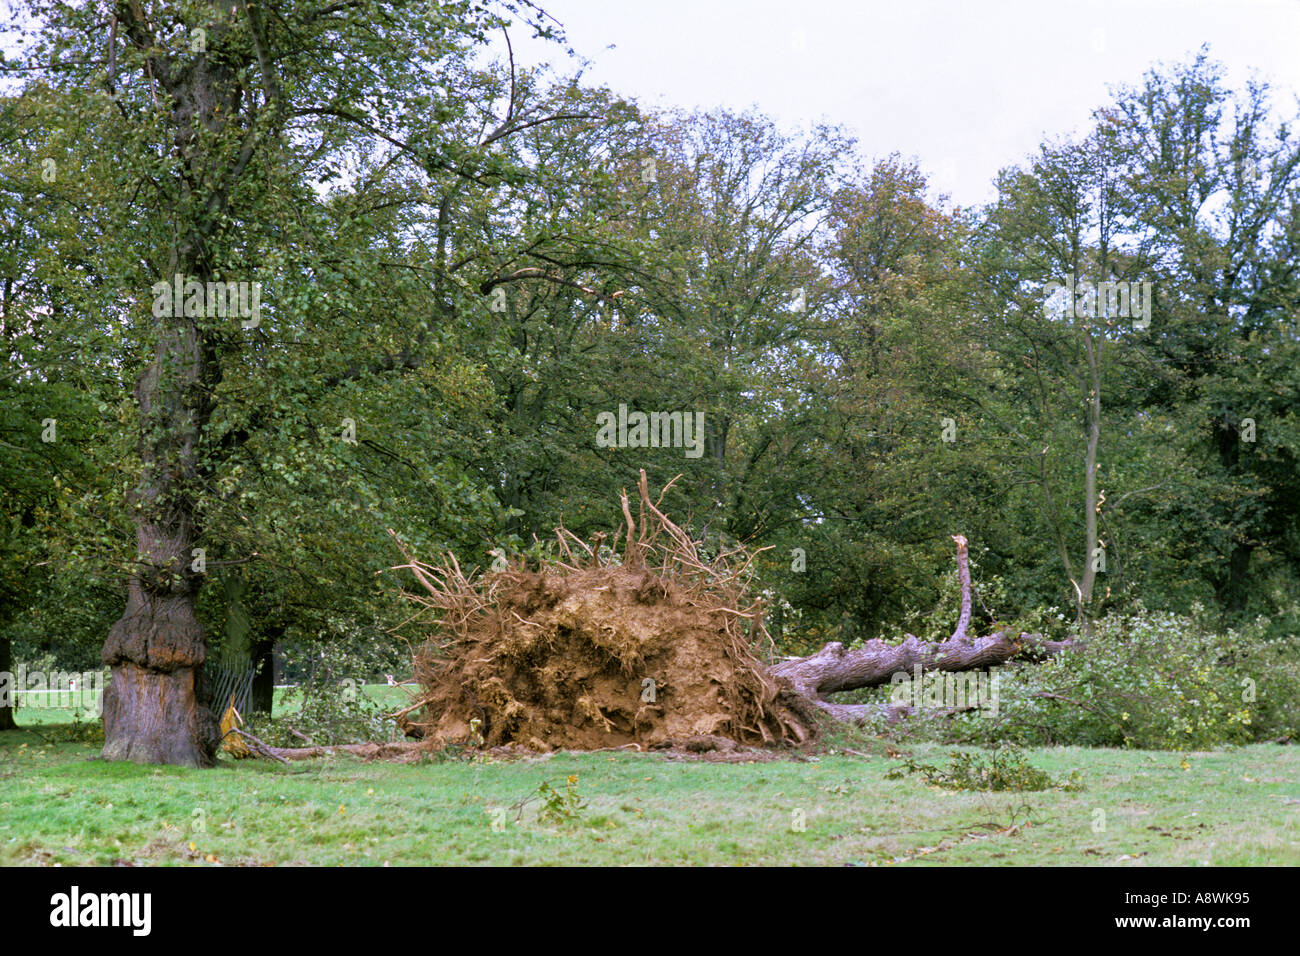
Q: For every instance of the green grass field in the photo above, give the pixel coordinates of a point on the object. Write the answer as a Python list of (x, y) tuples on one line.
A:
[(60, 806)]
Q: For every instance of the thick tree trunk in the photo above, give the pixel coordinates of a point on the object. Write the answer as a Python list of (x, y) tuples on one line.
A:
[(6, 666), (835, 669), (153, 716), (263, 699), (155, 708)]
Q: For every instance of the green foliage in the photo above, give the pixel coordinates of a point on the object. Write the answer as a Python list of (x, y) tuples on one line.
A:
[(83, 729), (1006, 768), (325, 716), (560, 806), (353, 325), (328, 707), (1146, 680), (342, 650)]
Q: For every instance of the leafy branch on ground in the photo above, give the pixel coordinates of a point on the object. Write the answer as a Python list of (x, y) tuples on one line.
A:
[(1003, 769)]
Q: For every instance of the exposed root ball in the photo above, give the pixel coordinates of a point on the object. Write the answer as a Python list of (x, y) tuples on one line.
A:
[(600, 652)]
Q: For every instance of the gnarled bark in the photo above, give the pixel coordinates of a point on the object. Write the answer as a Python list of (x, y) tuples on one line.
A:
[(835, 669), (154, 710), (155, 716)]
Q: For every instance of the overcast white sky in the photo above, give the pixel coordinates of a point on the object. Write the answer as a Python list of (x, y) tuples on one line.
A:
[(965, 87)]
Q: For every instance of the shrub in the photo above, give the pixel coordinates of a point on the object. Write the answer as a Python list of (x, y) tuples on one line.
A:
[(560, 807), (1144, 679), (1151, 680), (331, 710)]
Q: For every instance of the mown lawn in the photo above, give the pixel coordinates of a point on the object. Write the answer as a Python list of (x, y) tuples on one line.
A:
[(60, 806)]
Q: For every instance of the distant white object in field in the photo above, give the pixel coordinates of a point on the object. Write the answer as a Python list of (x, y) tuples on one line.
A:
[(391, 682)]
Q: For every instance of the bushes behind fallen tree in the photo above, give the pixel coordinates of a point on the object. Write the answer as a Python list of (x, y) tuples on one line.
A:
[(1145, 679)]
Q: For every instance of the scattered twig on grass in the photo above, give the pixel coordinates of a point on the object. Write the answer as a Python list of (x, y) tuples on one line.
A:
[(255, 745)]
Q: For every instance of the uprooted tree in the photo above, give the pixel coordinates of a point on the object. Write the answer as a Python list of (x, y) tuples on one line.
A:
[(645, 644), (641, 641)]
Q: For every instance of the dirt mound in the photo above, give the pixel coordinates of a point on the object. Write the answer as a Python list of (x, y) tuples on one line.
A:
[(603, 650)]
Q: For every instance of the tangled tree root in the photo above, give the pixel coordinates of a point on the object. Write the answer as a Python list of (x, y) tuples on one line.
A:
[(601, 649)]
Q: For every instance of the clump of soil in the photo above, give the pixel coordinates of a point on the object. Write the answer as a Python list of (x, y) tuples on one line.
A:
[(651, 647)]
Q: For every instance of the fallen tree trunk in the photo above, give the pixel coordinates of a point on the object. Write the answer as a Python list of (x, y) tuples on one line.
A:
[(367, 751), (835, 669)]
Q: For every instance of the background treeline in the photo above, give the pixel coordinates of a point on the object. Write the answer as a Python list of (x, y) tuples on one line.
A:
[(536, 251)]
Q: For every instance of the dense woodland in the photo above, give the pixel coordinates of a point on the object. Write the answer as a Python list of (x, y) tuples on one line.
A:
[(463, 263)]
